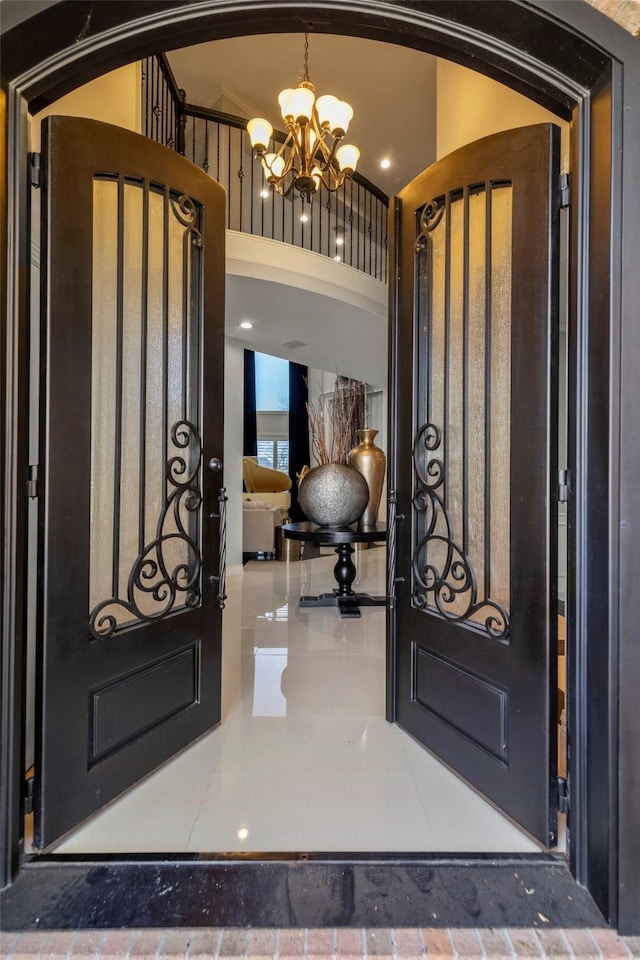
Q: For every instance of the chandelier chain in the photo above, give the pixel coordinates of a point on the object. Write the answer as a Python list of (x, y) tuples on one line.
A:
[(306, 57)]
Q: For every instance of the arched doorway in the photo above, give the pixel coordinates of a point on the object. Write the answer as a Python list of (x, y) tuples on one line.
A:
[(551, 61)]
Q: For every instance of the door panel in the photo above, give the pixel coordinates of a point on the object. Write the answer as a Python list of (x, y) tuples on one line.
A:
[(476, 439), (133, 308)]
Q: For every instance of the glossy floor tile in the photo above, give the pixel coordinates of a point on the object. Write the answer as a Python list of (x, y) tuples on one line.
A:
[(303, 759)]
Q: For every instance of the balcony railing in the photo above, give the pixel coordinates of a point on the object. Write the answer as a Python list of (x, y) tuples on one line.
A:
[(349, 225)]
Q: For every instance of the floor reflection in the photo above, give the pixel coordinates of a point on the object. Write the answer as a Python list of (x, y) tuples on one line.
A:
[(303, 759)]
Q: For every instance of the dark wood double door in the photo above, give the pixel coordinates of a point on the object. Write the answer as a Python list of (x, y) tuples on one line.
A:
[(131, 537), (474, 414)]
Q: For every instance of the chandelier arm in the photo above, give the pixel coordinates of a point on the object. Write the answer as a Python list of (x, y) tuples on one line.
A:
[(288, 162), (338, 179), (280, 186), (292, 143), (332, 155), (329, 153), (321, 152)]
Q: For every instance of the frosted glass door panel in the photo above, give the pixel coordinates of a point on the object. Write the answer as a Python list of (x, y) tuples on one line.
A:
[(461, 515), (145, 554)]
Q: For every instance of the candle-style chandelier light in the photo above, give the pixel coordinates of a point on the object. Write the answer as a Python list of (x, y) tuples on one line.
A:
[(313, 152)]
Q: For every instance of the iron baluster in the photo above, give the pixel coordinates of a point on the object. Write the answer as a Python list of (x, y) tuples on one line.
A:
[(181, 130), (205, 159), (163, 114), (145, 94)]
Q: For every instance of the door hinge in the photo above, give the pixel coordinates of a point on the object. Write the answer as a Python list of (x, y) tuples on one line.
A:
[(27, 795), (35, 170), (565, 190), (32, 482), (563, 486), (563, 795)]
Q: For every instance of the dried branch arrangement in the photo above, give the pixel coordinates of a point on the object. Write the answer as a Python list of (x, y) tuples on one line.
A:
[(334, 421)]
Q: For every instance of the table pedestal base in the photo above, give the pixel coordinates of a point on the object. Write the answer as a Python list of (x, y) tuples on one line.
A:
[(349, 606), (347, 601)]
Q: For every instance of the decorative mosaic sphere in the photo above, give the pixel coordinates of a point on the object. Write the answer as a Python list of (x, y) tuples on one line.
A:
[(333, 495)]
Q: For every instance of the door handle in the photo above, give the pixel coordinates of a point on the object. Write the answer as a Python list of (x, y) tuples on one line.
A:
[(220, 579), (392, 519), (215, 464)]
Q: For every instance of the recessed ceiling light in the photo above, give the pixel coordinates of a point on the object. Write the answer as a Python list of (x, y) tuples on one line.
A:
[(337, 257), (385, 164), (304, 218), (339, 241), (264, 194), (243, 833), (246, 324)]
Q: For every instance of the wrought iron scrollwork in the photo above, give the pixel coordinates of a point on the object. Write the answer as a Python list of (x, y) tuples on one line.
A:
[(444, 580), (153, 575), (430, 216), (186, 213)]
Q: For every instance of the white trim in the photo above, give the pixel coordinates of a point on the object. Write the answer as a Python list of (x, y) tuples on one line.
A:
[(262, 258)]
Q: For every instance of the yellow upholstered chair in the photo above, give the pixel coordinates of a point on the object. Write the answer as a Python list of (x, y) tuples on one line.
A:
[(266, 485)]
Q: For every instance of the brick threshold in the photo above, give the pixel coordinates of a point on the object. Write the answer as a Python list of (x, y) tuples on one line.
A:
[(407, 943)]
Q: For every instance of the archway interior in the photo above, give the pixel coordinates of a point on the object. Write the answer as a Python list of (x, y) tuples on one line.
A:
[(304, 759)]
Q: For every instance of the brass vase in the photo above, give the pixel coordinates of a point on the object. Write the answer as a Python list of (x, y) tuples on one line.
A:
[(370, 461)]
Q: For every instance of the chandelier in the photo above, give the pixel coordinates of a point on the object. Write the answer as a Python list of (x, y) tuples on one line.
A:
[(313, 152)]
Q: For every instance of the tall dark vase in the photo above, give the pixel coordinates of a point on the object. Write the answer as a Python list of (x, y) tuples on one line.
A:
[(371, 462)]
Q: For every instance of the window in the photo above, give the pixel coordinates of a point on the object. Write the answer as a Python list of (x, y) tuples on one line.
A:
[(272, 407), (272, 383), (274, 453)]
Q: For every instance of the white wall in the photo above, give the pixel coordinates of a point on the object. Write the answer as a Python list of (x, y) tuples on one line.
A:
[(233, 440)]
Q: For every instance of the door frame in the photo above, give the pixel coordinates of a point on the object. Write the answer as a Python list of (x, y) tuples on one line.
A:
[(574, 61)]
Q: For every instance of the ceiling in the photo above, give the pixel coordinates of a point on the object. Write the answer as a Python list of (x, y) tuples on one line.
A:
[(309, 328), (387, 86)]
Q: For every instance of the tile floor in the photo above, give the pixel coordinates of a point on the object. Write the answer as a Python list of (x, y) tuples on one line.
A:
[(303, 759)]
